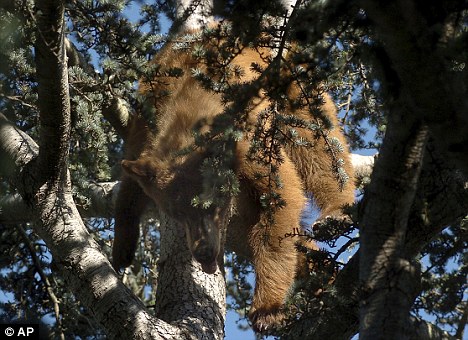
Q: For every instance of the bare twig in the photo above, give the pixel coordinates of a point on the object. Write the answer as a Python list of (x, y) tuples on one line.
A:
[(44, 278)]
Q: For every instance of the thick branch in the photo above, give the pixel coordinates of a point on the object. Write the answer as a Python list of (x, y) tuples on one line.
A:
[(84, 267), (194, 291), (116, 112), (102, 197), (76, 254), (16, 147), (54, 103), (91, 278), (386, 273)]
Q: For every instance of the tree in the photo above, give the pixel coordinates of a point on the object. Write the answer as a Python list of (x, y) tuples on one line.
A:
[(399, 66)]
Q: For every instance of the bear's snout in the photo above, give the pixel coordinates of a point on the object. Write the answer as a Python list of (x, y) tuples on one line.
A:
[(206, 255), (203, 241)]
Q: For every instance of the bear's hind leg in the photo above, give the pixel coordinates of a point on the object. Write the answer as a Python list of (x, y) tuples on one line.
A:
[(273, 247), (275, 263)]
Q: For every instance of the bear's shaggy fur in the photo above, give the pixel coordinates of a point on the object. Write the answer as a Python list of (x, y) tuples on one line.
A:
[(156, 168)]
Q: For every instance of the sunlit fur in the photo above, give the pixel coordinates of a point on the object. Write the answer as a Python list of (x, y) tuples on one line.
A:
[(171, 181)]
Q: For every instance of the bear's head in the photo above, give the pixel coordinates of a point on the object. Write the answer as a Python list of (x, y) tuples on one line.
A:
[(173, 187)]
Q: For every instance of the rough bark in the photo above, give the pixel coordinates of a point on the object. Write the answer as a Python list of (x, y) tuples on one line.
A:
[(388, 276), (443, 197), (426, 91), (188, 297), (102, 197), (17, 148), (91, 278), (46, 188)]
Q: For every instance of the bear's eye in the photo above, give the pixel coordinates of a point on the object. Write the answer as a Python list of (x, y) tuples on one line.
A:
[(152, 178)]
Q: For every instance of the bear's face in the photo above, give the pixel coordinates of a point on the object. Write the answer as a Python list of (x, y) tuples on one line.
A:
[(173, 190)]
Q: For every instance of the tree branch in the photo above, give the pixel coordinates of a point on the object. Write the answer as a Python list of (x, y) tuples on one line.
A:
[(54, 103), (92, 279), (116, 112), (195, 291), (102, 197), (37, 263), (387, 275), (16, 147), (84, 267)]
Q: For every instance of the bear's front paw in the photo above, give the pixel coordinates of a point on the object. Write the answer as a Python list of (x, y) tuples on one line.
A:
[(266, 320)]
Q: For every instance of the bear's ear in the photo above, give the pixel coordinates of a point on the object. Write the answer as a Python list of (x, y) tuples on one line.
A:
[(145, 172), (139, 169)]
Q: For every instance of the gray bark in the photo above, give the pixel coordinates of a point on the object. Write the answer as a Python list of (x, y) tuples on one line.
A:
[(17, 148), (187, 297), (45, 187), (388, 276), (102, 197), (91, 278)]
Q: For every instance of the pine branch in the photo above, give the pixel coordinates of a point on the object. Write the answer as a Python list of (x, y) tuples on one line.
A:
[(45, 187), (114, 109), (44, 278)]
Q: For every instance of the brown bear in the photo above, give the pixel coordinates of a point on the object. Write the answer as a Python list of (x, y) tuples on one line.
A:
[(158, 166)]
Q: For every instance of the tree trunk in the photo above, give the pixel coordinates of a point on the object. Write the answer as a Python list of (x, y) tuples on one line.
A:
[(389, 277), (186, 296)]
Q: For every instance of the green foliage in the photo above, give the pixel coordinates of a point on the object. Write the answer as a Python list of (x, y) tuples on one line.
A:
[(444, 278), (239, 289)]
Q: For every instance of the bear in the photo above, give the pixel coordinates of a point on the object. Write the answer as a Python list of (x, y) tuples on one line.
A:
[(163, 167)]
